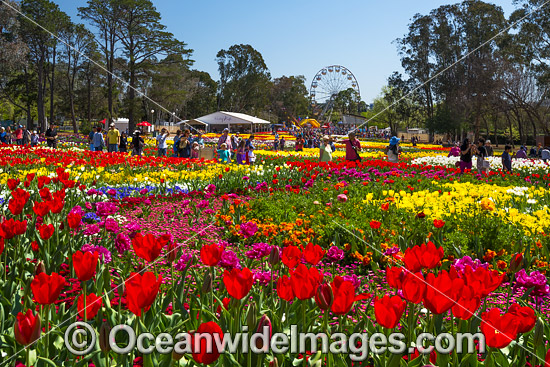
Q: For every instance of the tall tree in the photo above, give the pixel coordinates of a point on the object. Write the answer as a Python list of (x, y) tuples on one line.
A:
[(104, 16), (289, 97), (244, 79), (144, 39)]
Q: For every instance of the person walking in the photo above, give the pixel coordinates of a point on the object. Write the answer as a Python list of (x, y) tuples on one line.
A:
[(176, 145), (98, 140), (224, 139), (123, 145), (113, 139), (489, 148), (393, 150), (545, 154), (26, 136), (466, 152), (481, 154), (299, 146), (51, 136), (353, 147), (137, 144), (282, 143), (507, 159), (162, 146), (247, 146), (184, 146), (326, 151), (241, 155), (19, 135), (34, 138)]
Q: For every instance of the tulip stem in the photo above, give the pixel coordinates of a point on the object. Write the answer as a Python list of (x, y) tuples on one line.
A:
[(28, 355), (47, 328), (84, 300)]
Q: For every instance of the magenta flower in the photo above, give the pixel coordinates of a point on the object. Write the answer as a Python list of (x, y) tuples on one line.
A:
[(249, 229)]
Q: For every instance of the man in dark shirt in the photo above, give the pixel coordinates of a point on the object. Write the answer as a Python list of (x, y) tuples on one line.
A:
[(51, 136), (507, 159)]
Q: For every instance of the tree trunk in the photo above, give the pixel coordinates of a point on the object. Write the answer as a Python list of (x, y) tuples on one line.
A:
[(89, 94), (30, 122), (131, 95), (40, 96), (52, 85)]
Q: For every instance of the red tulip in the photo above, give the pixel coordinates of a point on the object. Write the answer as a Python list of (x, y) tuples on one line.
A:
[(483, 280), (313, 254), (56, 205), (526, 316), (284, 288), (324, 296), (41, 209), (46, 288), (27, 328), (11, 228), (413, 287), (291, 256), (388, 310), (74, 220), (344, 296), (442, 292), (207, 354), (394, 277), (93, 304), (499, 330), (13, 183), (1, 245), (430, 255), (547, 359), (141, 291), (211, 254), (516, 262), (148, 247), (305, 281), (438, 223), (46, 231), (16, 206), (374, 224), (467, 304), (238, 282), (85, 265)]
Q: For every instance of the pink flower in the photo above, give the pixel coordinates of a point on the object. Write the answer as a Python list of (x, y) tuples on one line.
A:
[(249, 229), (342, 198)]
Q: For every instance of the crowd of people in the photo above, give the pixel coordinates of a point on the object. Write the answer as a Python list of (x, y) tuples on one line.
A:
[(483, 149), (19, 135)]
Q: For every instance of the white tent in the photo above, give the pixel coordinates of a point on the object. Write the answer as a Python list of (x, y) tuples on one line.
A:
[(221, 120)]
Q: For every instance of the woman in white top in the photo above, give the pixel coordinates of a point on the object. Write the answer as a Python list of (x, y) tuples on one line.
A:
[(326, 151)]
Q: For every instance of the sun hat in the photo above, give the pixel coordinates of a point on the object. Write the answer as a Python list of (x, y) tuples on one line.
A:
[(112, 124), (326, 137), (394, 140)]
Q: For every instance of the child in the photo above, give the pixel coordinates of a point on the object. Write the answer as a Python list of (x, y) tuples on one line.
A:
[(251, 155), (195, 150), (506, 159), (224, 154), (34, 138)]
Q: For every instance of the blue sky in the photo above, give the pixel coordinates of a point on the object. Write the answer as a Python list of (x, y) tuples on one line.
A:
[(297, 37)]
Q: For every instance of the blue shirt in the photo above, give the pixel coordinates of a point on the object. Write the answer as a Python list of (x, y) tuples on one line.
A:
[(98, 140), (224, 155)]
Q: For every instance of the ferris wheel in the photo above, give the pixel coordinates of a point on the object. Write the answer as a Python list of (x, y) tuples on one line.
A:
[(330, 81)]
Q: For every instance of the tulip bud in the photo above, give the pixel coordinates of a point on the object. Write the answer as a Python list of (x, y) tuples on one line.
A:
[(251, 318), (27, 328), (104, 332), (516, 262), (264, 322), (40, 268), (324, 296), (274, 256), (539, 333), (172, 252), (274, 363), (207, 283)]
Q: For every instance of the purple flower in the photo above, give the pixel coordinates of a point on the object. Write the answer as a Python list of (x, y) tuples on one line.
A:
[(210, 188), (187, 212), (92, 192), (183, 261), (391, 251), (208, 211), (203, 204), (168, 212), (229, 260), (335, 254), (249, 229), (263, 277), (258, 251), (104, 209), (246, 178), (143, 191), (111, 192), (77, 210), (102, 251), (185, 202), (535, 280), (91, 229), (353, 279), (122, 243), (461, 264), (111, 225)]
